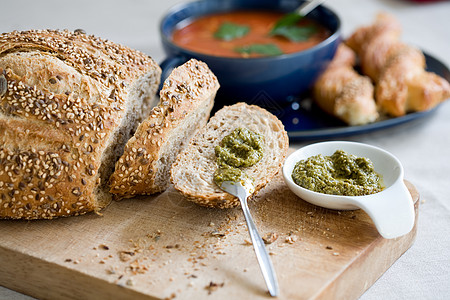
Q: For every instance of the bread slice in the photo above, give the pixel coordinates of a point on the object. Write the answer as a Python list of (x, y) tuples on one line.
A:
[(192, 172), (68, 103), (187, 98)]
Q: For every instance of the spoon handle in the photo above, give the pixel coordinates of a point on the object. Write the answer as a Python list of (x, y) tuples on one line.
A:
[(308, 6), (261, 253)]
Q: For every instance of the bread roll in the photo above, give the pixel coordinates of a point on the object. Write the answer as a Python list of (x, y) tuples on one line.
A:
[(343, 93), (192, 173), (374, 42), (186, 100), (69, 102), (402, 83)]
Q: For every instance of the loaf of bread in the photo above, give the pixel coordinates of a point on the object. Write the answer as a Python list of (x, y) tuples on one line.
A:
[(192, 173), (186, 100), (68, 104), (343, 93)]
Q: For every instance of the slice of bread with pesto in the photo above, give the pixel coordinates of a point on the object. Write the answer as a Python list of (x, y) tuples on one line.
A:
[(192, 173), (186, 100)]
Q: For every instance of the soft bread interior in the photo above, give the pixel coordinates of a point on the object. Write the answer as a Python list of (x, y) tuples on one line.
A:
[(177, 140), (140, 98)]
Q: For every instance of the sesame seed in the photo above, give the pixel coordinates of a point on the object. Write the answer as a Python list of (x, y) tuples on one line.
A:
[(76, 191)]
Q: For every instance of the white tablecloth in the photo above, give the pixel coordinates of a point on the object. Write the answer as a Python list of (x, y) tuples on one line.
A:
[(423, 272)]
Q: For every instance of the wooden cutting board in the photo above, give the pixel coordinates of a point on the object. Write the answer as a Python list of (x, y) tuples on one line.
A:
[(167, 247)]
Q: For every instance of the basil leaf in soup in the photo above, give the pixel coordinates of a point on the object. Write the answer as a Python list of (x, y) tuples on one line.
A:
[(229, 31), (287, 20), (294, 33), (263, 49)]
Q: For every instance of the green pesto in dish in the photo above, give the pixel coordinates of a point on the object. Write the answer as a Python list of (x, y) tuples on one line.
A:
[(241, 148), (339, 174)]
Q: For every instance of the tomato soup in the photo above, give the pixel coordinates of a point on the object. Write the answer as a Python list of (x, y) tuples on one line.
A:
[(245, 34)]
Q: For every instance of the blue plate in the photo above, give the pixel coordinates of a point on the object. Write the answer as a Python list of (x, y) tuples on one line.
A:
[(303, 120)]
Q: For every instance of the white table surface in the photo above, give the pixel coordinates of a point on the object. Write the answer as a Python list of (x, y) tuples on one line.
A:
[(423, 272)]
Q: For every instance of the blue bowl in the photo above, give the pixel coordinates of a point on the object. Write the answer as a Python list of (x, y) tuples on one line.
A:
[(265, 81)]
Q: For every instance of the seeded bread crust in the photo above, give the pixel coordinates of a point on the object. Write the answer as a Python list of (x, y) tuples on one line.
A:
[(192, 172), (186, 100), (68, 104)]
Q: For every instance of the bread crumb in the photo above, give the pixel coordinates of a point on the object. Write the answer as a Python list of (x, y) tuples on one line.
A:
[(126, 255), (291, 239), (217, 234), (103, 247), (172, 296), (270, 237), (212, 286)]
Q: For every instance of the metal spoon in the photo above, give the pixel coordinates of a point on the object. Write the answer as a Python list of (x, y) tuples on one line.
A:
[(308, 6), (243, 191), (295, 16)]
